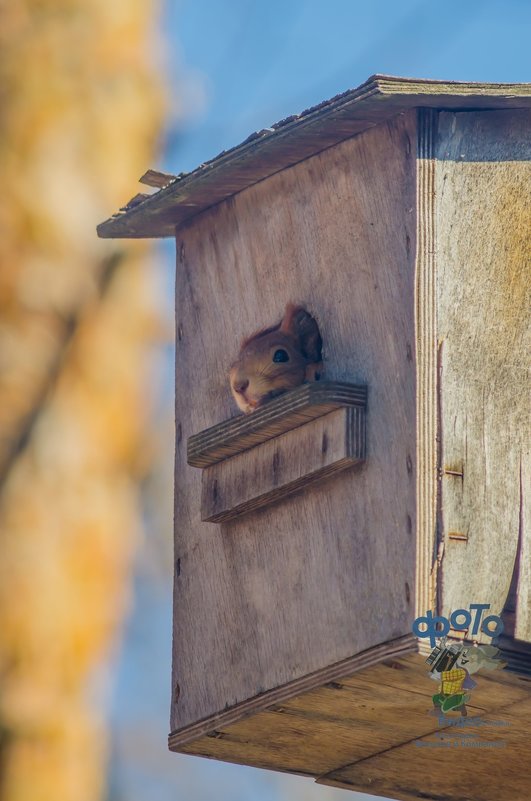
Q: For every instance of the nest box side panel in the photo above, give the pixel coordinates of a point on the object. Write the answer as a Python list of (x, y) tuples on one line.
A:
[(286, 591), (482, 179)]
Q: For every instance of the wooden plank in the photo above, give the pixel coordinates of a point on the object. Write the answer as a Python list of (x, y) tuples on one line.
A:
[(286, 464), (367, 731), (483, 175), (393, 649), (378, 100), (345, 720), (484, 763), (497, 688), (282, 414), (316, 737), (134, 202), (522, 629), (283, 592), (156, 178), (426, 358)]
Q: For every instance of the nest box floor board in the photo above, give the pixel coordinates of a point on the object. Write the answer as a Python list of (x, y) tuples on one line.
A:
[(372, 731)]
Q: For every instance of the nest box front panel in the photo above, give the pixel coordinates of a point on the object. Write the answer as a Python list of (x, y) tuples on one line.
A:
[(483, 175), (281, 592)]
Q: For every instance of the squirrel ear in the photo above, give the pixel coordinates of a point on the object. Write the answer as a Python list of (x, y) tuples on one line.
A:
[(288, 324), (302, 326)]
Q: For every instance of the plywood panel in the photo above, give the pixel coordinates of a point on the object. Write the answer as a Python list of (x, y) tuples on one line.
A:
[(286, 464), (285, 413), (484, 763), (345, 720), (394, 649), (483, 211), (373, 730), (317, 578), (426, 357)]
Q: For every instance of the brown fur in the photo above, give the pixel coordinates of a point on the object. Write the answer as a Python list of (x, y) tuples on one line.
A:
[(255, 378)]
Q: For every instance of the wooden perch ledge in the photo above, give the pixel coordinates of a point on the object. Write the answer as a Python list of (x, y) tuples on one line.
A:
[(298, 439), (276, 417)]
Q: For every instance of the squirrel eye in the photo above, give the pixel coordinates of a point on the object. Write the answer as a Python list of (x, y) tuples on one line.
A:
[(280, 355)]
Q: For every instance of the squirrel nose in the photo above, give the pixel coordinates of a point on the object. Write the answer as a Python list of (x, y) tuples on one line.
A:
[(240, 386)]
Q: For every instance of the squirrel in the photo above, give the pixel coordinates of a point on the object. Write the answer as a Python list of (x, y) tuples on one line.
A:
[(276, 359)]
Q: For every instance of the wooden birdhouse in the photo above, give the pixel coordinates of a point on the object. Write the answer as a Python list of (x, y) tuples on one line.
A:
[(311, 532)]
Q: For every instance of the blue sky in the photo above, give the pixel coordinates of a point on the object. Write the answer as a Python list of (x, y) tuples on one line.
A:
[(250, 63), (237, 66)]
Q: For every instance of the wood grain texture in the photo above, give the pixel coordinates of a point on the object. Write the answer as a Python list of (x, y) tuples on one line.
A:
[(319, 577), (284, 465), (485, 763), (426, 352), (391, 650), (359, 732), (157, 179), (264, 153), (523, 590), (483, 178), (292, 409)]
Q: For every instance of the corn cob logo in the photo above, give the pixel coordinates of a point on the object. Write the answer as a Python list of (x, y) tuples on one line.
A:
[(452, 665)]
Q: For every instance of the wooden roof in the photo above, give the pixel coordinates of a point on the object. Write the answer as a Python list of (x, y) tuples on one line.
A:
[(180, 197)]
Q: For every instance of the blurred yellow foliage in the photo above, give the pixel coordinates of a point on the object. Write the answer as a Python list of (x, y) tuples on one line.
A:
[(81, 106)]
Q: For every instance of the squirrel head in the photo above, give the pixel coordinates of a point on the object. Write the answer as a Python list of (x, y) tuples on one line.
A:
[(277, 359)]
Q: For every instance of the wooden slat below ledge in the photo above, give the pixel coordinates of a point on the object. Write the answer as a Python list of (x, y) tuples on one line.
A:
[(282, 414), (289, 463)]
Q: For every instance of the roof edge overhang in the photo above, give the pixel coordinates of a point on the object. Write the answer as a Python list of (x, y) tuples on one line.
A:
[(381, 97)]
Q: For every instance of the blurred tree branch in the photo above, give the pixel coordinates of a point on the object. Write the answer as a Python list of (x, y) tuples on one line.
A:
[(81, 106), (21, 439)]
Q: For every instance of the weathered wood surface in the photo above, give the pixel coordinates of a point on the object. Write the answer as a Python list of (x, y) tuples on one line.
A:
[(426, 359), (286, 464), (290, 410), (523, 602), (360, 732), (278, 595), (455, 769), (486, 763), (392, 649), (483, 244), (376, 101), (157, 179)]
